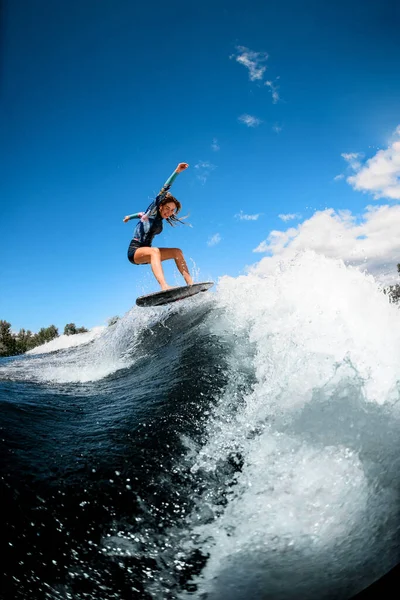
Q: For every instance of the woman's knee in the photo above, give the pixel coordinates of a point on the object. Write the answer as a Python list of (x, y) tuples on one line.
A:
[(155, 253), (178, 254)]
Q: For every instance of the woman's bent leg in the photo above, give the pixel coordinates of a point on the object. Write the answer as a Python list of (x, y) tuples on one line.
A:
[(150, 255), (154, 256), (177, 255)]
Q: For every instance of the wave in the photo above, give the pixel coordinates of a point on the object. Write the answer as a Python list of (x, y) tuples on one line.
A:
[(258, 431), (63, 342)]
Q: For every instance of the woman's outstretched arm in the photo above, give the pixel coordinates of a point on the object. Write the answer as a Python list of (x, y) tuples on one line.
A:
[(138, 215), (167, 185)]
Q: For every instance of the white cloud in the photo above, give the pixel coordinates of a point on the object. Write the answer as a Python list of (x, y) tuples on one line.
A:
[(215, 146), (214, 239), (249, 120), (353, 158), (253, 61), (244, 217), (255, 64), (290, 216), (277, 128), (274, 91), (380, 175), (204, 168), (371, 242), (338, 177)]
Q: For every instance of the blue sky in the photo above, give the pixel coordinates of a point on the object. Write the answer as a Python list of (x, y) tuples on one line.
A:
[(280, 108)]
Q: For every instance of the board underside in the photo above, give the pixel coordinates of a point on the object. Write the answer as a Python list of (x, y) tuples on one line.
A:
[(173, 294)]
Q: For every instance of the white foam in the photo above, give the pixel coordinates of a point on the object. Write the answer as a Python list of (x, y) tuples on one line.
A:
[(313, 325), (83, 357), (68, 341), (310, 316), (282, 505), (312, 331)]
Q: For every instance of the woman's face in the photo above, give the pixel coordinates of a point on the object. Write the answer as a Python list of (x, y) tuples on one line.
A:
[(167, 210)]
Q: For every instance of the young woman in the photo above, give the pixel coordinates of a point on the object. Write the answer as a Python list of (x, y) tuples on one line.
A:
[(140, 250)]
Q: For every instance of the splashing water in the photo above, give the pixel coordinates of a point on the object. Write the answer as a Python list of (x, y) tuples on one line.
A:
[(276, 403)]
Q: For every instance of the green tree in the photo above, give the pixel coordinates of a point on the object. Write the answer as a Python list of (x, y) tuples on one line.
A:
[(30, 340), (45, 334), (24, 341), (82, 330), (11, 344), (393, 291), (8, 345), (72, 329)]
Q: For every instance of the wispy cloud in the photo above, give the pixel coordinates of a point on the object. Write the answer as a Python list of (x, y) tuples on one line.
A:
[(274, 90), (380, 175), (338, 177), (250, 120), (255, 64), (253, 61), (215, 146), (204, 168), (214, 239), (243, 217), (277, 128), (353, 158), (289, 216)]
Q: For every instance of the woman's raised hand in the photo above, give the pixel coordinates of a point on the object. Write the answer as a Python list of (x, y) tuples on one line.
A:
[(126, 219), (181, 167)]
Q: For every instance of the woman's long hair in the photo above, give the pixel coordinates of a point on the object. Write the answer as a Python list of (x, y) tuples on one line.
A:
[(173, 219)]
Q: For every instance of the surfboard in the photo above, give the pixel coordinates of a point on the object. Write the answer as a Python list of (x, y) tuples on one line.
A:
[(173, 294)]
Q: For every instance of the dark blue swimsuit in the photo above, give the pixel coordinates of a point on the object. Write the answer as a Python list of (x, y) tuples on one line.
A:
[(150, 223)]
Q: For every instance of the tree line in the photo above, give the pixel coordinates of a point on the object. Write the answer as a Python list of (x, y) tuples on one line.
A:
[(12, 344)]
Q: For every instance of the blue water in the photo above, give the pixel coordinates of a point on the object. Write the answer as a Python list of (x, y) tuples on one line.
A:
[(244, 444)]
